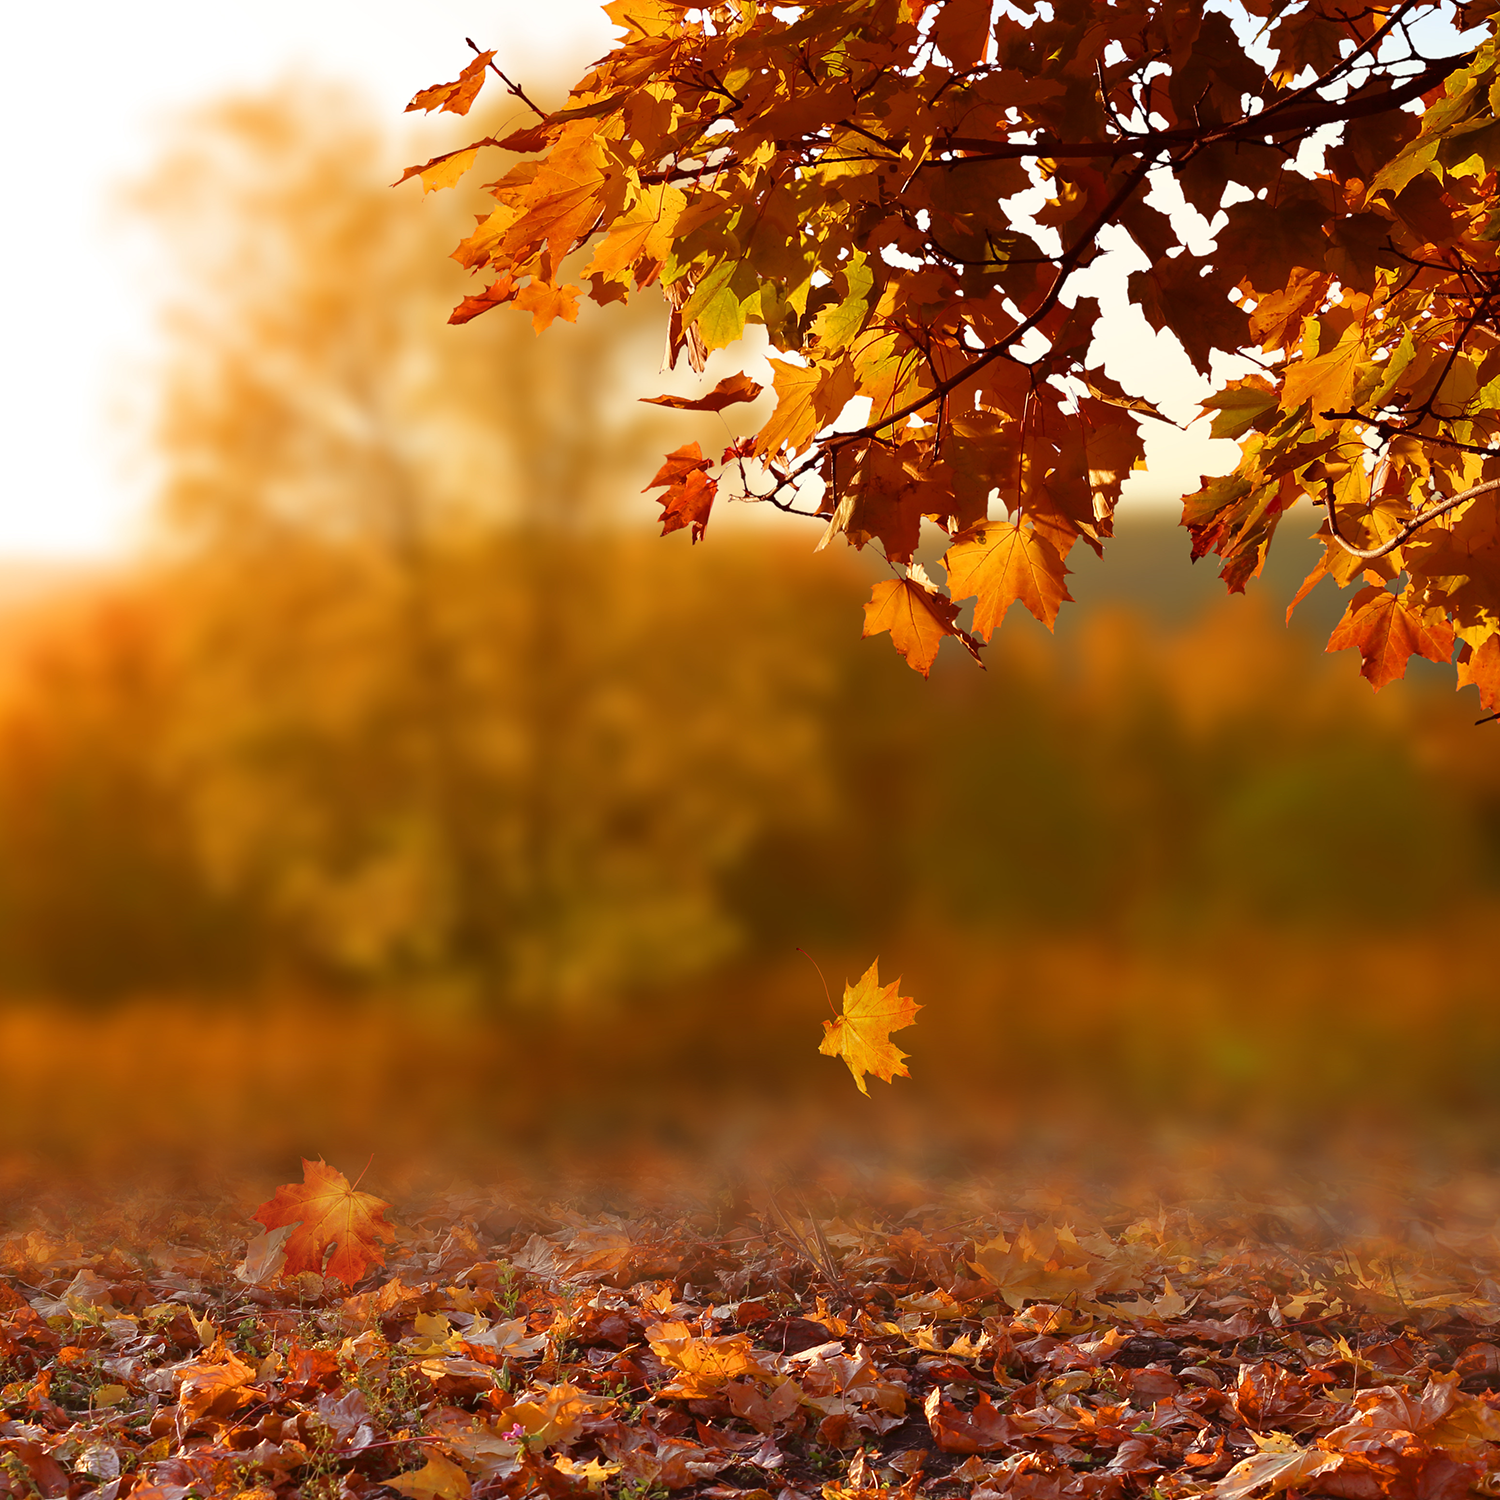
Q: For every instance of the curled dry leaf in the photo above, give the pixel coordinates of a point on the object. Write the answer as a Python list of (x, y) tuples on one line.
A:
[(732, 389)]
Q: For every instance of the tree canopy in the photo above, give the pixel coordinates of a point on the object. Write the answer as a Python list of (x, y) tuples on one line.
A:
[(905, 193)]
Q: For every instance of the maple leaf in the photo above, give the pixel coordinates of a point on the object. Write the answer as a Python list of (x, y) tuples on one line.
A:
[(455, 97), (917, 616), (328, 1213), (1386, 633), (689, 491), (555, 1416), (981, 1430), (438, 1479), (861, 1034), (702, 1366), (1481, 667), (546, 302), (218, 1383), (445, 170), (1046, 1263)]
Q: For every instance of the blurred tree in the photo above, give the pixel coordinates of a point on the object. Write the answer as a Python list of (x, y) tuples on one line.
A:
[(100, 878), (410, 737)]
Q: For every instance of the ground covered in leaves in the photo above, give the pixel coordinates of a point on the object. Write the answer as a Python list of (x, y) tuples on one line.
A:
[(760, 1345)]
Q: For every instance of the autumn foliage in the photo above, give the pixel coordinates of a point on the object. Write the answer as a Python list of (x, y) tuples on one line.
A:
[(904, 195), (1177, 1341)]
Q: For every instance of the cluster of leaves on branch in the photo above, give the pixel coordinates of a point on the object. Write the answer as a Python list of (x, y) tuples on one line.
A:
[(1235, 1349), (904, 194)]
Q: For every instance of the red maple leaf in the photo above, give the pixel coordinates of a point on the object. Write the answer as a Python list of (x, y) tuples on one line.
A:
[(328, 1212)]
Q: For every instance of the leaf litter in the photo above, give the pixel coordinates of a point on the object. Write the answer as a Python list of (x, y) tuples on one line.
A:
[(743, 1345)]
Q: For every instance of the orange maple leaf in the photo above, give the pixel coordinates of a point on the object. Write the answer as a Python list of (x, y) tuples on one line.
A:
[(1386, 633), (455, 97), (701, 1366), (731, 389), (861, 1035), (327, 1211), (689, 491), (445, 170), (546, 303), (439, 1479), (1481, 666), (1000, 562), (918, 616)]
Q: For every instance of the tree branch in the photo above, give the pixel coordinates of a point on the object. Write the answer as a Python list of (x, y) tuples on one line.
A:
[(515, 88), (1408, 528), (1280, 119)]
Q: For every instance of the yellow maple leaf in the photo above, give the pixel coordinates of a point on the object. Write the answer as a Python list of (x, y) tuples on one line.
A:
[(1001, 562), (439, 1479), (861, 1035), (701, 1366)]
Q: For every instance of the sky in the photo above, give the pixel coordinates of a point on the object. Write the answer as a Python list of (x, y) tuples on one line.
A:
[(87, 93)]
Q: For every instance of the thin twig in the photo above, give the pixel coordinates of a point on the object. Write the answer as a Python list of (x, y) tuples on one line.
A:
[(808, 956), (515, 88)]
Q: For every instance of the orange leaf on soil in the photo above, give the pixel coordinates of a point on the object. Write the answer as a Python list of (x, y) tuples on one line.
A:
[(978, 1431), (439, 1479), (702, 1366), (862, 1034), (328, 1212)]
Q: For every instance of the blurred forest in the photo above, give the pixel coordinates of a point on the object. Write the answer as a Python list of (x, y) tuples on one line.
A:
[(411, 751)]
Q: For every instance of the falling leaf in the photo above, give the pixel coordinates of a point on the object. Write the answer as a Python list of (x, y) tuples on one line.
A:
[(328, 1214), (861, 1035)]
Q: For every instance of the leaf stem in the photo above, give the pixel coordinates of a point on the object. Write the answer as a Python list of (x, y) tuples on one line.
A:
[(808, 956)]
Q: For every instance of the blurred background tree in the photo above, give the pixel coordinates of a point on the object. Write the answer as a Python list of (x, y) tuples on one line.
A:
[(392, 730)]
